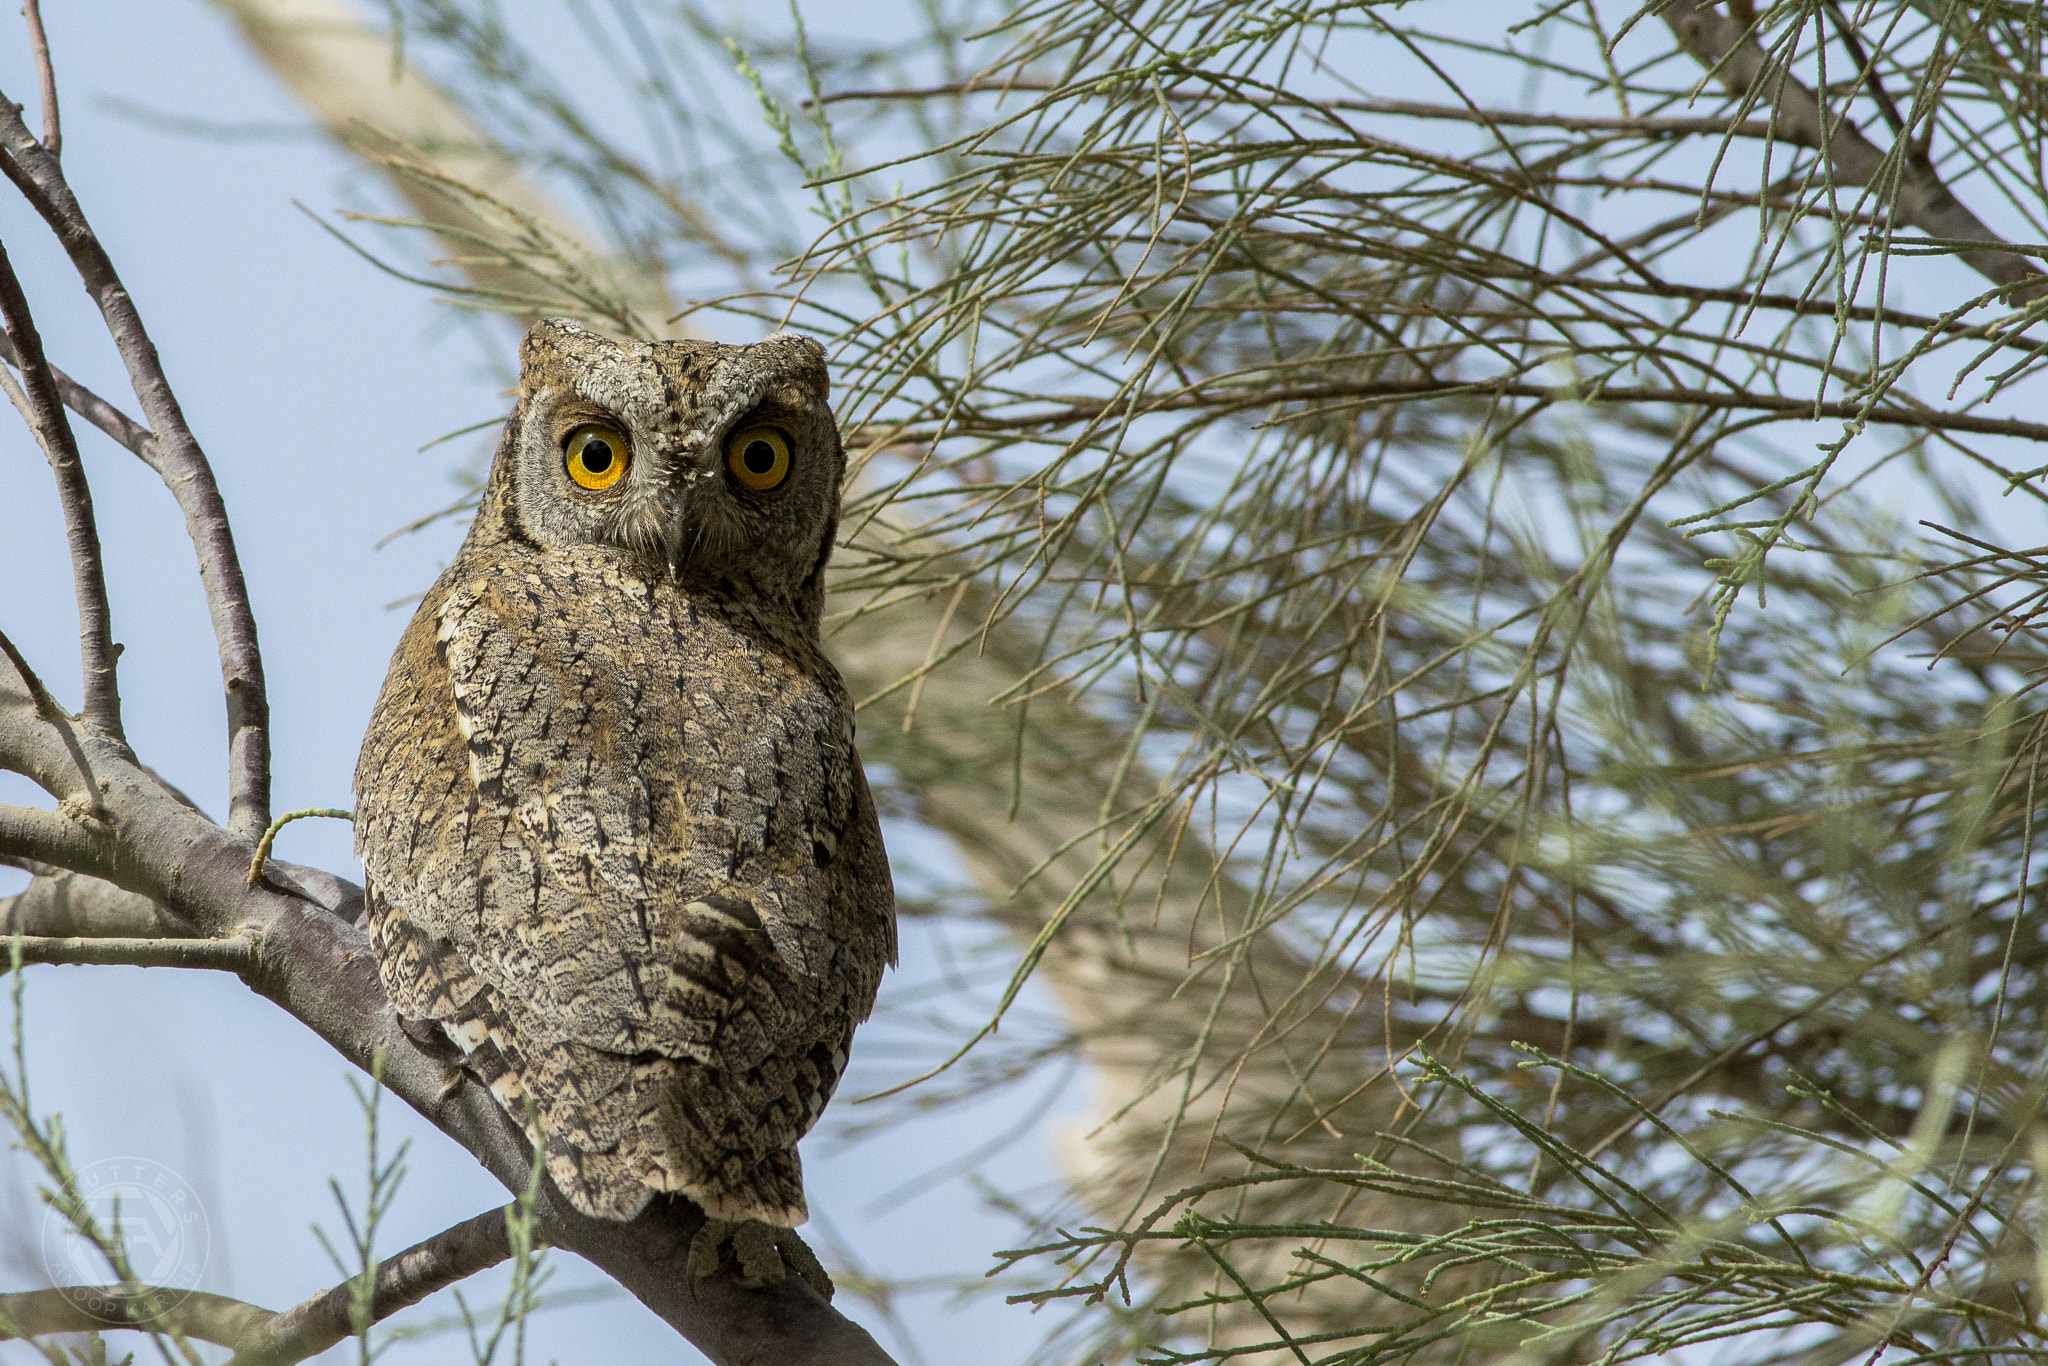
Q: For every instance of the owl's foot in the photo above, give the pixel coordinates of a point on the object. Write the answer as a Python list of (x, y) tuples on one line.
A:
[(761, 1251)]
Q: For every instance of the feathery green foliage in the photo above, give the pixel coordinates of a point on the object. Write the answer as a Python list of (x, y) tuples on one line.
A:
[(1511, 502)]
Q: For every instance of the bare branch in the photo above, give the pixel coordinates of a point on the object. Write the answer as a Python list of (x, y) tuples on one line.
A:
[(46, 76), (452, 1255), (1723, 45), (259, 1337), (65, 905), (220, 955), (1328, 397), (37, 738), (1647, 127), (96, 410), (43, 409), (55, 837), (96, 1308), (183, 466)]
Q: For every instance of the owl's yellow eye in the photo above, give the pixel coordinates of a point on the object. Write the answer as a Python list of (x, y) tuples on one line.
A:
[(596, 456), (758, 457)]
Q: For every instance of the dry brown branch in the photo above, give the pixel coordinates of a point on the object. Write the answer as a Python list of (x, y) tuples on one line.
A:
[(1645, 127), (42, 408), (1224, 398), (1725, 45), (257, 1336), (61, 905), (404, 1279), (179, 459), (96, 1308), (94, 409), (235, 955), (46, 75)]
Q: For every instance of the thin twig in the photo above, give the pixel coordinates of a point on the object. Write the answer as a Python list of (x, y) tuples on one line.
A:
[(1328, 397), (236, 955), (183, 466), (270, 834), (1414, 109), (46, 75), (96, 410), (43, 409)]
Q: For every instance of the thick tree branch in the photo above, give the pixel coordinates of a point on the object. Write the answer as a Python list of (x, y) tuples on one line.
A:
[(63, 838), (61, 905), (183, 465), (1724, 45), (42, 407)]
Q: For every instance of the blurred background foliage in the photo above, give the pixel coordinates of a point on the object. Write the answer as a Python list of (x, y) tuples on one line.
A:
[(1460, 580)]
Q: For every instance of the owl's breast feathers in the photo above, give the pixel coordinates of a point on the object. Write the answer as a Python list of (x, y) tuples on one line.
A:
[(619, 845)]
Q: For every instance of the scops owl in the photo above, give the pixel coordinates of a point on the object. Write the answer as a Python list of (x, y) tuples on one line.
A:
[(617, 843)]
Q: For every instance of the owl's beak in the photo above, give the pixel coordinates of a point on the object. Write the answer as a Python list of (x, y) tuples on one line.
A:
[(679, 537), (674, 546)]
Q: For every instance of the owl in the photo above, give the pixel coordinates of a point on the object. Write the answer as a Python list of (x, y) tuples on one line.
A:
[(618, 848)]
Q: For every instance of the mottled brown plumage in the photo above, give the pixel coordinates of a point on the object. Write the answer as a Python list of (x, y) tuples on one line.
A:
[(616, 839)]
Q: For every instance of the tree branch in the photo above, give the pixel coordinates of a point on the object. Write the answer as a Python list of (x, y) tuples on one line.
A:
[(452, 1255), (46, 75), (95, 1308), (63, 905), (37, 737), (1646, 127), (236, 955), (1724, 46), (183, 465), (55, 837), (43, 409), (1223, 400), (96, 410)]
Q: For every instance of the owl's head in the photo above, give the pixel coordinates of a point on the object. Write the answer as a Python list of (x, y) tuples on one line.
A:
[(697, 458)]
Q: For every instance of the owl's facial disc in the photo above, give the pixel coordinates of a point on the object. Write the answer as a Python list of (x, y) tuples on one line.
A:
[(702, 461)]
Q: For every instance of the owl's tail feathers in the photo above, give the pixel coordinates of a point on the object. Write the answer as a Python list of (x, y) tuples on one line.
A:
[(620, 1128)]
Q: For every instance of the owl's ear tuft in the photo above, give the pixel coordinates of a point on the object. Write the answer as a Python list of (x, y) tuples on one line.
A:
[(559, 341), (812, 353)]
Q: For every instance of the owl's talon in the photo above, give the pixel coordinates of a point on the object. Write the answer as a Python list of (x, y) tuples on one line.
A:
[(765, 1254), (798, 1254)]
